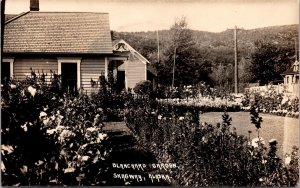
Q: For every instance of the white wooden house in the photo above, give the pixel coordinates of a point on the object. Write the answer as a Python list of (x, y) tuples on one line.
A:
[(290, 85), (76, 45), (291, 80), (132, 70)]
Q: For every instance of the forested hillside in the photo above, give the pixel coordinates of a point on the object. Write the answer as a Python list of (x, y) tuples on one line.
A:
[(217, 49)]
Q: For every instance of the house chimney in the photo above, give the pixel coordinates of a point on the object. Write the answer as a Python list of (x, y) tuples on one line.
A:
[(34, 5)]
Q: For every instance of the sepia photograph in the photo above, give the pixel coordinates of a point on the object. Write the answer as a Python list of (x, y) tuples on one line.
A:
[(150, 93)]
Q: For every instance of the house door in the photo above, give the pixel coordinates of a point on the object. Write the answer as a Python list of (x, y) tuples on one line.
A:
[(5, 72), (120, 80), (69, 77)]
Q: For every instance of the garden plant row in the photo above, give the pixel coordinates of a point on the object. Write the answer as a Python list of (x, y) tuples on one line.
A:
[(208, 155), (53, 138)]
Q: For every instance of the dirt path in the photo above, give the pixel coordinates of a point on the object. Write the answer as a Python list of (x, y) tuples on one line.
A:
[(125, 150)]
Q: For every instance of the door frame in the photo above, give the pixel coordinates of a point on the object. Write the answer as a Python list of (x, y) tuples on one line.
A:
[(11, 65), (70, 60)]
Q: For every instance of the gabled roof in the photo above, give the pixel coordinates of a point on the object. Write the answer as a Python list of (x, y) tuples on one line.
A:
[(120, 46), (289, 71), (292, 70), (58, 32)]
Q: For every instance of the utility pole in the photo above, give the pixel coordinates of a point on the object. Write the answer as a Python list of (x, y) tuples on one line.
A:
[(174, 63), (236, 84), (156, 79), (157, 46), (296, 53)]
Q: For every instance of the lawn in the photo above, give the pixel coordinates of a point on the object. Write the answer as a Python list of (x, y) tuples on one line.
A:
[(284, 129)]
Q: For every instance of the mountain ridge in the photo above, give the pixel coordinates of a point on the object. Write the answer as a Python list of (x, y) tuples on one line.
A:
[(218, 44)]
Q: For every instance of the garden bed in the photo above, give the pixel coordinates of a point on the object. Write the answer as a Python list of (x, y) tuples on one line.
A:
[(272, 127)]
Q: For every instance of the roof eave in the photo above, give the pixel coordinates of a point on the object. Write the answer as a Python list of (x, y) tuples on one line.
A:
[(55, 54), (16, 17)]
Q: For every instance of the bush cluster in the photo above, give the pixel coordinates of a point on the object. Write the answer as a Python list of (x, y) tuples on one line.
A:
[(273, 102), (50, 138), (192, 92), (110, 100), (208, 155)]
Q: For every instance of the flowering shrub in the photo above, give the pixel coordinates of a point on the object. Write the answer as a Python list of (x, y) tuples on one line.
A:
[(111, 101), (273, 102), (49, 138), (143, 87), (205, 103), (208, 155)]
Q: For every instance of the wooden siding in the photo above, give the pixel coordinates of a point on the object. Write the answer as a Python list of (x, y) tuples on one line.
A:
[(91, 69), (135, 72), (21, 67)]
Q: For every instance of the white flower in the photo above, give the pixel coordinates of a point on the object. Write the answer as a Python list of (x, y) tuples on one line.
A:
[(50, 131), (101, 136), (264, 161), (284, 100), (181, 118), (39, 163), (7, 148), (23, 93), (42, 115), (85, 158), (287, 160), (59, 128), (31, 90), (2, 167), (24, 127), (13, 86), (24, 169), (92, 129), (69, 170), (46, 121), (159, 116), (256, 141), (65, 134), (52, 117)]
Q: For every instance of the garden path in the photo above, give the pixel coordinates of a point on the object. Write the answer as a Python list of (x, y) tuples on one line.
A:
[(125, 150)]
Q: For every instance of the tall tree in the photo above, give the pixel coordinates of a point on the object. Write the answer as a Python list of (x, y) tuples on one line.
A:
[(268, 61), (184, 57)]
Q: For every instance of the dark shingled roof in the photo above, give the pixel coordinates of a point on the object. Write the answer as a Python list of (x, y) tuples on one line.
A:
[(292, 70), (9, 16), (58, 32), (289, 71)]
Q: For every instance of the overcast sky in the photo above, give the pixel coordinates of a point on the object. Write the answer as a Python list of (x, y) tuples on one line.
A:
[(150, 15)]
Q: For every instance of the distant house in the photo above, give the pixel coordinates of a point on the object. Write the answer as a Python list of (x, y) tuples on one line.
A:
[(75, 45), (291, 79), (290, 85)]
